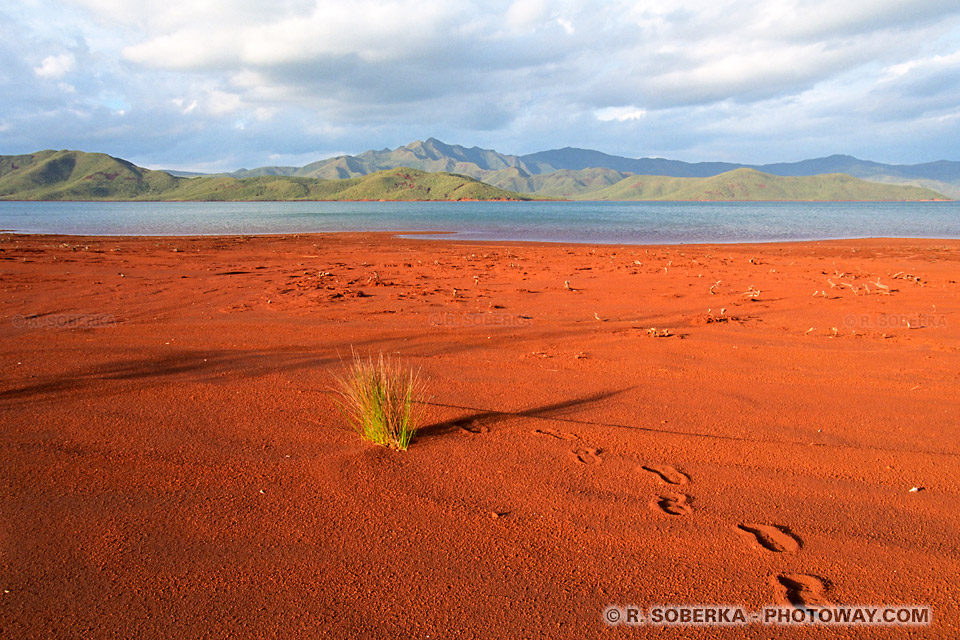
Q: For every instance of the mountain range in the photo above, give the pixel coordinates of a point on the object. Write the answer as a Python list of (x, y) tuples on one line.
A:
[(571, 172), (432, 170), (76, 175)]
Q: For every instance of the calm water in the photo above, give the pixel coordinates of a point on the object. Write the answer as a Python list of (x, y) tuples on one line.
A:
[(593, 222)]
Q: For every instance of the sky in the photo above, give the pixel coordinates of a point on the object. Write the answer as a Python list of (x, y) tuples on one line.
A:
[(213, 85)]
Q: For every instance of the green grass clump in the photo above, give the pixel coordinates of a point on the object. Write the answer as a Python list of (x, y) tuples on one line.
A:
[(382, 400)]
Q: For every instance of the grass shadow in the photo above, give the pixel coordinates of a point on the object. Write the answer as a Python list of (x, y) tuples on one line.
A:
[(480, 420)]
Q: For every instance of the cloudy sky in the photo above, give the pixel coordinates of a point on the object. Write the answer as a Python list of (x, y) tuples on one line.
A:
[(223, 84)]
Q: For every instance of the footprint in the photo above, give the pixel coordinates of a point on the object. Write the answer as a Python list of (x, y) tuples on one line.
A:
[(667, 473), (587, 455), (772, 537), (674, 504), (560, 435), (804, 591)]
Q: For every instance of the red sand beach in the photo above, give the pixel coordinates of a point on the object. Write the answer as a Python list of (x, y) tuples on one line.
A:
[(746, 425)]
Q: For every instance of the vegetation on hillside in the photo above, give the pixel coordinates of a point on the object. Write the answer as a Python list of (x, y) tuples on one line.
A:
[(525, 173), (752, 185), (75, 175)]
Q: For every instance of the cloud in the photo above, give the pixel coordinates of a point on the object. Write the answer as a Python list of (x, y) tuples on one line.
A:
[(620, 114), (525, 14), (926, 66), (56, 66), (371, 30), (221, 103), (693, 79)]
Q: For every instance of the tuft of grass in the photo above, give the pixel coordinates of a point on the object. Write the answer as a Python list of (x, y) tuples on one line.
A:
[(382, 400)]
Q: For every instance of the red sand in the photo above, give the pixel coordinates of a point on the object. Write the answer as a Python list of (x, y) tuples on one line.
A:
[(173, 465)]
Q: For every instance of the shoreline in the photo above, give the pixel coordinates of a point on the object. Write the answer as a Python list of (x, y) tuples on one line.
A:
[(605, 425), (445, 236)]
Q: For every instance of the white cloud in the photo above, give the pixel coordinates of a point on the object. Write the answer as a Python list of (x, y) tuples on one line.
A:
[(185, 107), (656, 54), (928, 64), (221, 103), (56, 66), (524, 14), (620, 114), (373, 30)]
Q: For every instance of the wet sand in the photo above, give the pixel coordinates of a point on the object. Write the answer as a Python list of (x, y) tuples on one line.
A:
[(729, 424)]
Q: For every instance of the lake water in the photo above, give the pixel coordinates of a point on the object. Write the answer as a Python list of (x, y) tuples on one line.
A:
[(590, 222)]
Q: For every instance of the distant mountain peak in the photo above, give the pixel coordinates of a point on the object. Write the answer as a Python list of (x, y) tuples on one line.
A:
[(433, 154)]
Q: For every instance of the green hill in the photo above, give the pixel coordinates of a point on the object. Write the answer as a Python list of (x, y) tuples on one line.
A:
[(564, 183), (394, 184), (752, 185), (75, 175)]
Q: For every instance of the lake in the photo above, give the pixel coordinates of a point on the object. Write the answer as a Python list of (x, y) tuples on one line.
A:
[(589, 222)]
